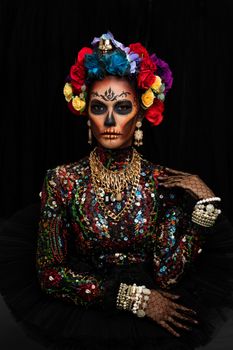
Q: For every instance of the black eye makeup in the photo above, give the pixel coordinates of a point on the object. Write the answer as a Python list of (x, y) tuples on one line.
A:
[(121, 107), (97, 107)]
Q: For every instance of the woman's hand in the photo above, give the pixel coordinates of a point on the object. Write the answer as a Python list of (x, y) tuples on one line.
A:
[(167, 313), (191, 183)]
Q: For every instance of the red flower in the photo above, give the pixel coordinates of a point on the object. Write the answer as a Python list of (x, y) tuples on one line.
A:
[(77, 75), (50, 278), (154, 113), (82, 53), (78, 71), (88, 291), (146, 75), (148, 64), (145, 79), (139, 49)]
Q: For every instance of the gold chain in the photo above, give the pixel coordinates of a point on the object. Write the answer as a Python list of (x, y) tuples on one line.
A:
[(109, 181)]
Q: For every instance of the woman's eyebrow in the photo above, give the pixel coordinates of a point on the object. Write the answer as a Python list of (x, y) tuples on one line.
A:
[(124, 101), (95, 100), (110, 95)]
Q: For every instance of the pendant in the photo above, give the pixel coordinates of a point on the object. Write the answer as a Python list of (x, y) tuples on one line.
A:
[(118, 196), (101, 192), (113, 198)]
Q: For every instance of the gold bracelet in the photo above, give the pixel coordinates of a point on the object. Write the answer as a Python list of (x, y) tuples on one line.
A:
[(133, 298), (204, 213)]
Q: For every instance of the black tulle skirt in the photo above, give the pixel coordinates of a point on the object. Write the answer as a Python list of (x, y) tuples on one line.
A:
[(58, 325)]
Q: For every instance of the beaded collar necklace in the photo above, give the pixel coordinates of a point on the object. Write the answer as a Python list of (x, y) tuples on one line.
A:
[(110, 184)]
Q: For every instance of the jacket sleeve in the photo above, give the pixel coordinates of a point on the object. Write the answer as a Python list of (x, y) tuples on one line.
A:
[(195, 262), (55, 273), (178, 241)]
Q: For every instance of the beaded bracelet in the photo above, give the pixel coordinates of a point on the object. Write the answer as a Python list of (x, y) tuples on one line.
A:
[(210, 199), (145, 298), (133, 298), (121, 297), (205, 213)]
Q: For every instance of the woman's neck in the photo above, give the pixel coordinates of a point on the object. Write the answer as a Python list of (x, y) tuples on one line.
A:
[(114, 158)]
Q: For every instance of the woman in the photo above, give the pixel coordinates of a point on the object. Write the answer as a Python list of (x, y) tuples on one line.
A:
[(129, 254)]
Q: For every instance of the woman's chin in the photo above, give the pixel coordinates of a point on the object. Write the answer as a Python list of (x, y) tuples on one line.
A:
[(113, 143)]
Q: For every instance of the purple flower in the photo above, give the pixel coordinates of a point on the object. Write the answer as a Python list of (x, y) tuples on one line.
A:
[(163, 71), (108, 36), (133, 59)]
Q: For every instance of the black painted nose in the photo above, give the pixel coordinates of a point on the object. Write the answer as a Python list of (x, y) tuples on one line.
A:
[(110, 120)]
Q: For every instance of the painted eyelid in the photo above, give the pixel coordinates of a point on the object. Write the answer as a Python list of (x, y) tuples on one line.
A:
[(98, 104), (123, 105), (127, 108), (129, 102)]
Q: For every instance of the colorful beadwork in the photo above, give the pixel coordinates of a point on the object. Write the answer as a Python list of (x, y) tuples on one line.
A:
[(156, 228)]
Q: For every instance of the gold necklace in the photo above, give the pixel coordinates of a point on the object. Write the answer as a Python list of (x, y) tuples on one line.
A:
[(107, 181)]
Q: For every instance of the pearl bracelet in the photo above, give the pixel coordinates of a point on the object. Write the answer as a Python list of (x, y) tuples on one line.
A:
[(133, 298), (210, 199), (146, 296), (205, 213)]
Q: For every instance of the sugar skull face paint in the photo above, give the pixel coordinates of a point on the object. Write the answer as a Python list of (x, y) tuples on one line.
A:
[(113, 112)]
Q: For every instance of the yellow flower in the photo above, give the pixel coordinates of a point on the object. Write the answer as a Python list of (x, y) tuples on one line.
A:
[(68, 92), (78, 104), (148, 98), (157, 84)]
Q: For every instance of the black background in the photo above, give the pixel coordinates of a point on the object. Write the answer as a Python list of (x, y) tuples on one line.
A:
[(39, 42)]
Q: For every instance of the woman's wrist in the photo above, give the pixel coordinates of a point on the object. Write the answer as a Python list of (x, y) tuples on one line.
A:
[(133, 298), (206, 212)]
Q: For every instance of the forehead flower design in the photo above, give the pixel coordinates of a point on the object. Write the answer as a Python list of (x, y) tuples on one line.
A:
[(110, 57)]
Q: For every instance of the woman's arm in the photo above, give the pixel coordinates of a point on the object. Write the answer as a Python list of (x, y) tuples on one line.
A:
[(177, 240), (55, 274), (194, 261)]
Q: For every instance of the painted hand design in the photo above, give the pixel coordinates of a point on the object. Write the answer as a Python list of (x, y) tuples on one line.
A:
[(167, 313), (191, 183)]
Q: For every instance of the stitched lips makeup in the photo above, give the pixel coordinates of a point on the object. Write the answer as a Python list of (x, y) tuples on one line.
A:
[(111, 134)]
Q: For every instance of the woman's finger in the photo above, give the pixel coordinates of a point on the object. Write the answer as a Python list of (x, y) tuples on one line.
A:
[(170, 184), (185, 318), (173, 180), (176, 171), (171, 177), (178, 324), (183, 308), (169, 329), (169, 295)]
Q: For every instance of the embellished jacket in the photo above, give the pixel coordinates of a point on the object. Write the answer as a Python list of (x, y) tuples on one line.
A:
[(79, 246)]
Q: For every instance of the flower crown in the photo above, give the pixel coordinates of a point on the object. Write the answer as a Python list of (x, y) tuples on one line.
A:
[(110, 57)]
